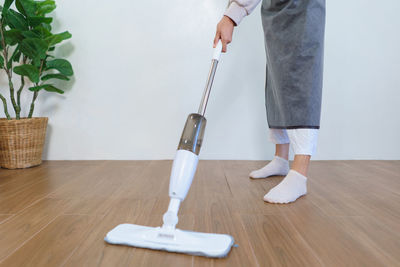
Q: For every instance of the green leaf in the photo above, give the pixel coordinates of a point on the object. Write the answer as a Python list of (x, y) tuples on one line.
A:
[(16, 55), (1, 62), (45, 7), (31, 34), (37, 62), (55, 76), (41, 32), (58, 38), (6, 6), (62, 65), (47, 27), (47, 87), (34, 48), (30, 71), (36, 21), (15, 20), (51, 88), (13, 36), (26, 7)]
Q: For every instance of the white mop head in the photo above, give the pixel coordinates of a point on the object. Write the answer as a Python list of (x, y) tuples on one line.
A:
[(202, 244)]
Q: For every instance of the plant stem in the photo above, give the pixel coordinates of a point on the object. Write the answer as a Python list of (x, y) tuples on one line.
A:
[(5, 107), (5, 55), (35, 94), (19, 92), (20, 89), (14, 103)]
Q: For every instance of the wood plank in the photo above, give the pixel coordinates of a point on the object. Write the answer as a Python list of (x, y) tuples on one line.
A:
[(329, 191), (391, 166), (277, 243), (7, 176), (20, 228), (248, 193), (351, 195), (209, 182), (332, 245), (335, 175), (383, 242), (373, 173), (54, 178), (153, 182), (96, 180), (93, 193), (16, 179), (211, 201), (332, 203), (218, 218), (53, 245), (20, 179), (94, 251), (58, 214), (4, 217), (382, 207)]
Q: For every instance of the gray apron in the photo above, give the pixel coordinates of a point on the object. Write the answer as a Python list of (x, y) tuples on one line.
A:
[(294, 40)]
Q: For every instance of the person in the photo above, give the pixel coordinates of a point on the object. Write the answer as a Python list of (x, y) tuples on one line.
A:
[(294, 39)]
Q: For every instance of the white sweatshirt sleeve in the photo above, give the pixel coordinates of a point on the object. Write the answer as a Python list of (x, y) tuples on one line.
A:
[(238, 9)]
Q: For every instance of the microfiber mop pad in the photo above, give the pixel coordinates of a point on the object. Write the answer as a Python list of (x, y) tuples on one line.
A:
[(194, 243)]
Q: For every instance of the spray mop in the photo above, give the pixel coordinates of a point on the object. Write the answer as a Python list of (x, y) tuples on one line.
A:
[(167, 237)]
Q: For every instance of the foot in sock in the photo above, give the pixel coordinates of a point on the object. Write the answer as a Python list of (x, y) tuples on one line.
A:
[(293, 186), (277, 166)]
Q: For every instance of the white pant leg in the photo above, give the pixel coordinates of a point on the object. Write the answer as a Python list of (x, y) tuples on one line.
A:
[(303, 141), (278, 136)]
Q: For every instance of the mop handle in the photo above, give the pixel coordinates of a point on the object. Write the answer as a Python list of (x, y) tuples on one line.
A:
[(210, 79)]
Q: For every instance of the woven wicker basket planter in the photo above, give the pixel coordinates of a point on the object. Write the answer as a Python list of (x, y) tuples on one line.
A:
[(21, 142)]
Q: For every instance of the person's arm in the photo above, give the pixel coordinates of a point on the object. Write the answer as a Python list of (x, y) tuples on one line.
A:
[(233, 15), (238, 9)]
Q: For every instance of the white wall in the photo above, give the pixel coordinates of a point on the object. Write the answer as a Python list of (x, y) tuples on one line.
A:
[(141, 67)]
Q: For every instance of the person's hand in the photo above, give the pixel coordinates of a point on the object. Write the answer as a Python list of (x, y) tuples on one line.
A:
[(224, 32)]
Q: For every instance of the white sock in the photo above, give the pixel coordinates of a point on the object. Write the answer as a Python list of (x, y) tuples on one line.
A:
[(277, 166), (293, 186)]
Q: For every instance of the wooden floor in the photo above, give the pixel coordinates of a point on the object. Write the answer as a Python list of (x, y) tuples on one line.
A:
[(57, 214)]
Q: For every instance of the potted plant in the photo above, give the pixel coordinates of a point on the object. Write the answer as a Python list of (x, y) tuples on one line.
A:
[(27, 59)]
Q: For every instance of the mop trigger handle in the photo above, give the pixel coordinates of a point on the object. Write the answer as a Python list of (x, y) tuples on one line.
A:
[(217, 51)]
